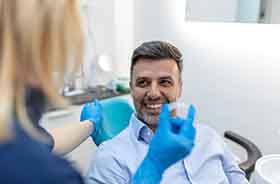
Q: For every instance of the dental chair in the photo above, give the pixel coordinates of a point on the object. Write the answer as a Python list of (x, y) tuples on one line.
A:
[(117, 112), (253, 152)]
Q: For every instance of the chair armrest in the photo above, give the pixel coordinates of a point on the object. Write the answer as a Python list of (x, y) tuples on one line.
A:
[(253, 152)]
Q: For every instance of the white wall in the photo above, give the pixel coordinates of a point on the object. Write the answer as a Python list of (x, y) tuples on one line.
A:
[(98, 18), (124, 35), (275, 13), (234, 79), (212, 10), (231, 70), (109, 32)]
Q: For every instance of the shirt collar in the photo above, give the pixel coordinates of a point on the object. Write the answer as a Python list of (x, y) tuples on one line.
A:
[(140, 130)]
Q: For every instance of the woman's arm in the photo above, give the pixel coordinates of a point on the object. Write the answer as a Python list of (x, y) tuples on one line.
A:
[(67, 138)]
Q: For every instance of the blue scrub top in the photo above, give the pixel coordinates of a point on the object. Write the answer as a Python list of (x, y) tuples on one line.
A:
[(24, 160)]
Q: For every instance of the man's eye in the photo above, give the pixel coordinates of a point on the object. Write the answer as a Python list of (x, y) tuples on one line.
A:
[(166, 83), (141, 83)]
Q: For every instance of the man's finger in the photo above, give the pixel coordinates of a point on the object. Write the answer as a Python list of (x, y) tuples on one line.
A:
[(164, 116), (188, 131), (191, 114), (187, 128), (164, 113)]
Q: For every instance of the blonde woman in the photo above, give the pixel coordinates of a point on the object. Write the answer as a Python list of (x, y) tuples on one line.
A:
[(40, 40), (37, 40)]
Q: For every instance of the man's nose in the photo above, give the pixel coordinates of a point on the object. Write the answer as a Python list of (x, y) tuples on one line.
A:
[(154, 91)]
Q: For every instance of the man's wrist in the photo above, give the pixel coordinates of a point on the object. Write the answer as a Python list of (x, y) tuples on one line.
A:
[(154, 166), (148, 173), (155, 163)]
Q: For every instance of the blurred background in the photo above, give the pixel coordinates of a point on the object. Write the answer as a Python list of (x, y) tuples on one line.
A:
[(231, 62)]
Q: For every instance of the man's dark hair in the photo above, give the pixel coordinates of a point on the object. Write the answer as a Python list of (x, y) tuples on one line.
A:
[(156, 50)]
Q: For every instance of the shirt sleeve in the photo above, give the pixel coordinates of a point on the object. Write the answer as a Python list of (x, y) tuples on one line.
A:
[(105, 168), (230, 164)]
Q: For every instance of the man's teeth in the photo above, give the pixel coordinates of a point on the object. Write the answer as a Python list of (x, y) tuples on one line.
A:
[(154, 106)]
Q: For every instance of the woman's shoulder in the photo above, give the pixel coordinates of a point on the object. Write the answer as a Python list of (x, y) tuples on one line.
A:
[(24, 160)]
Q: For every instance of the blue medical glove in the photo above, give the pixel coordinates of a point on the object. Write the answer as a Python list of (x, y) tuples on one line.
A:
[(93, 112), (173, 141)]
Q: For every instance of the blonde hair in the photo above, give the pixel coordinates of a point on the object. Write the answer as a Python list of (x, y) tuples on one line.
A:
[(38, 38)]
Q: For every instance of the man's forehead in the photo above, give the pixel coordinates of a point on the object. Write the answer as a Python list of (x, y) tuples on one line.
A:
[(160, 68), (157, 75)]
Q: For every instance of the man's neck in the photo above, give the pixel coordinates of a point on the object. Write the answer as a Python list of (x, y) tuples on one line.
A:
[(151, 126)]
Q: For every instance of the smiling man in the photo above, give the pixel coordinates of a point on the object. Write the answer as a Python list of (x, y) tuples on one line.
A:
[(153, 84), (156, 80)]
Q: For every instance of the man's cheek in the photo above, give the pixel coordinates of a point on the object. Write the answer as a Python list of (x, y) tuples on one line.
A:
[(171, 98)]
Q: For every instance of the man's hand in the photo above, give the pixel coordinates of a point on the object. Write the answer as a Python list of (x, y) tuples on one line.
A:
[(173, 141), (93, 112)]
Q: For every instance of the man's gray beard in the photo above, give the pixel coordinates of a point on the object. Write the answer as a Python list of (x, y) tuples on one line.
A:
[(150, 120)]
